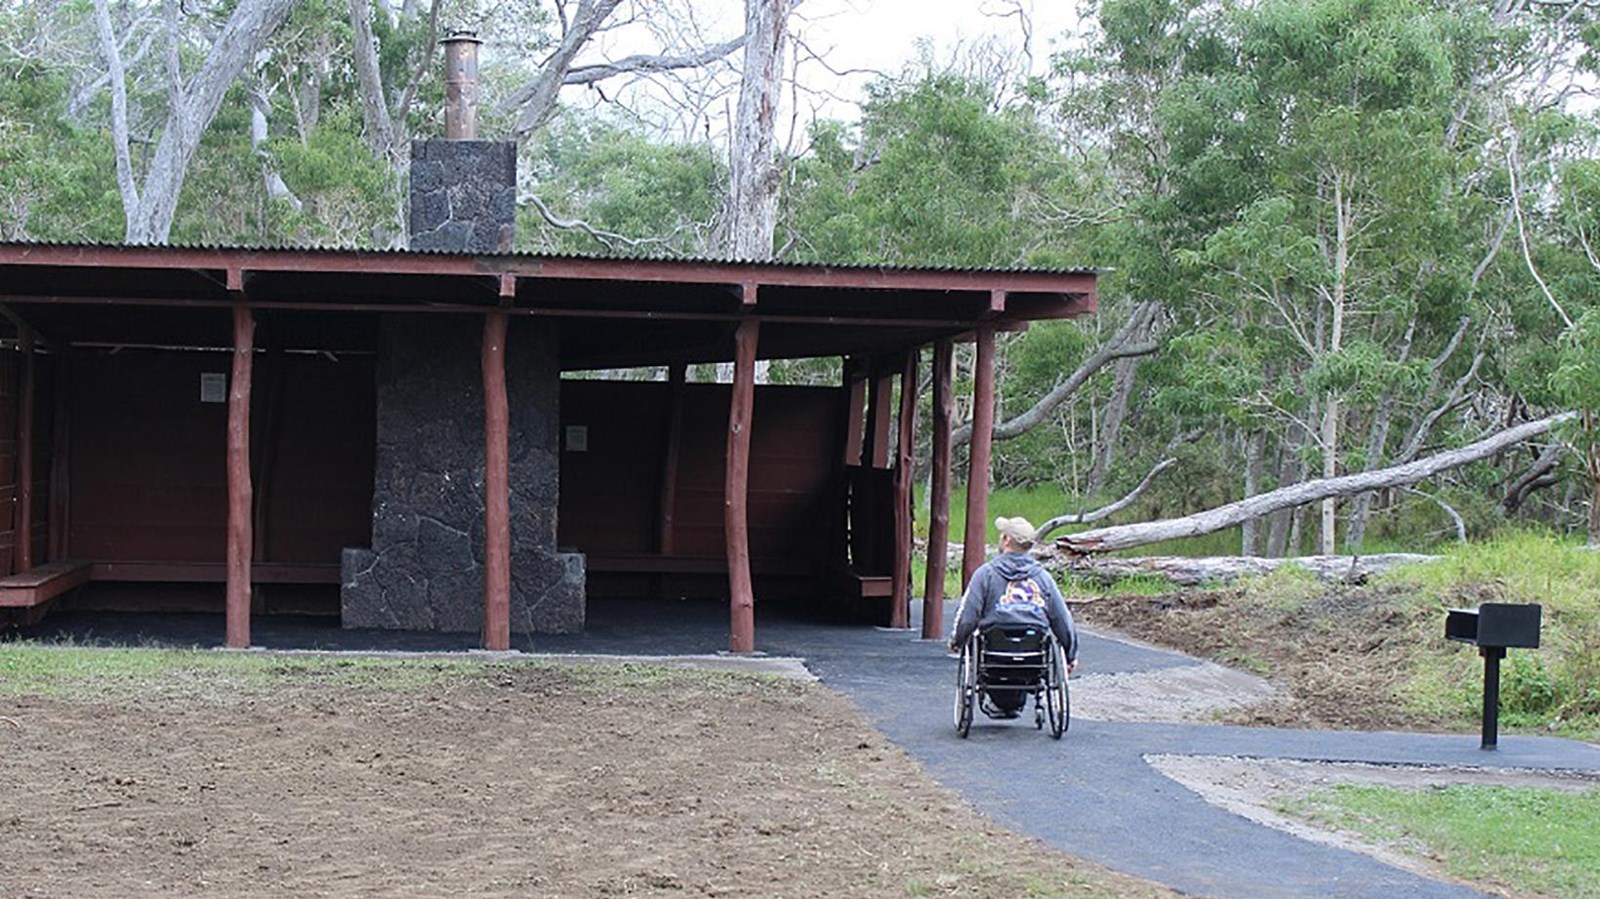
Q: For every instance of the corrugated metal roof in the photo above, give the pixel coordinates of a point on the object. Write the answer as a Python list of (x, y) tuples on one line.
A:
[(595, 257)]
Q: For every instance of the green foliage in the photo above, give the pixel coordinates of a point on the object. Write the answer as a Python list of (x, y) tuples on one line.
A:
[(1532, 840), (617, 180), (935, 174), (56, 179)]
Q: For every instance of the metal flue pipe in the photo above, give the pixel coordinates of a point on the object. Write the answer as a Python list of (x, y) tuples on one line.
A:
[(461, 85)]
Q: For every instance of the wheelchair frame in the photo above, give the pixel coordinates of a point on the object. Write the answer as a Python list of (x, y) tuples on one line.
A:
[(1047, 685)]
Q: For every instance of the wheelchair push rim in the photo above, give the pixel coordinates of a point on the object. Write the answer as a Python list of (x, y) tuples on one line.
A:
[(966, 690), (1057, 698)]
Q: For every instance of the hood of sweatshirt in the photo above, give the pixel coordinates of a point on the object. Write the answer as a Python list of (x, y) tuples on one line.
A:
[(1012, 566)]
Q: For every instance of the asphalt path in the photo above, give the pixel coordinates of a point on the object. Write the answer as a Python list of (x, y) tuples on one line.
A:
[(1092, 794)]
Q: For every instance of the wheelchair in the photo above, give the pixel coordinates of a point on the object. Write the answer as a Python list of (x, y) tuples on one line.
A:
[(1013, 659)]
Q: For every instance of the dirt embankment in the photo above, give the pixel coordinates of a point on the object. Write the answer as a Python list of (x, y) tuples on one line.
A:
[(517, 782), (1338, 653)]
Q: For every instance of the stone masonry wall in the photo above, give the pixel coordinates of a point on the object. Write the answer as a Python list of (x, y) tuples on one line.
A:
[(425, 568), (463, 195)]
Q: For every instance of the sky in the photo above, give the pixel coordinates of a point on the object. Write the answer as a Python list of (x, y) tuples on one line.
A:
[(842, 46)]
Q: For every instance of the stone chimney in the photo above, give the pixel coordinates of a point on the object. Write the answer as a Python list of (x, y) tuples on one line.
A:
[(463, 190), (424, 570)]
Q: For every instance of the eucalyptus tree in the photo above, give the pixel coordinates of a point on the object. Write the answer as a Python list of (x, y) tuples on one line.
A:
[(229, 39)]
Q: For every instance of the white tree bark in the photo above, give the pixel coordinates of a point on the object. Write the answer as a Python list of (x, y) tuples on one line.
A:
[(1124, 536), (119, 105), (754, 177), (374, 100), (150, 212), (1331, 409)]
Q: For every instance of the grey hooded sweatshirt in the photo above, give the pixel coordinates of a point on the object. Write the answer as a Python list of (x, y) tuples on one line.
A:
[(1014, 588)]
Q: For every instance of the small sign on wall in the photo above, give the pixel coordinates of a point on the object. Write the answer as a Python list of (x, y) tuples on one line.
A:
[(213, 387), (577, 438)]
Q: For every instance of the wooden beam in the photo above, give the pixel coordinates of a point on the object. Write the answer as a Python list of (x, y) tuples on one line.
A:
[(240, 492), (900, 608), (677, 375), (939, 493), (496, 487), (736, 521), (979, 455), (22, 550)]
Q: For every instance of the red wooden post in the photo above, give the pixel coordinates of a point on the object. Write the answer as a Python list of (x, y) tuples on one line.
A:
[(736, 521), (900, 612), (676, 376), (23, 548), (60, 452), (239, 487), (878, 413), (856, 407), (978, 455), (938, 494), (496, 487)]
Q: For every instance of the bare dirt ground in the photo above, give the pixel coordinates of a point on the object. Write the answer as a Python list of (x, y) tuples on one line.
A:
[(512, 781), (1336, 657)]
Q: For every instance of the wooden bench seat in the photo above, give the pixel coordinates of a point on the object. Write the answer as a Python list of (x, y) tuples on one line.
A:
[(42, 583)]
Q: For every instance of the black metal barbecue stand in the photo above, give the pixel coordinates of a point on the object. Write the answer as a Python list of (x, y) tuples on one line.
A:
[(1494, 627)]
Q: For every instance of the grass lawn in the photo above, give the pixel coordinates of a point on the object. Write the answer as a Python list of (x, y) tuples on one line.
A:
[(1527, 840)]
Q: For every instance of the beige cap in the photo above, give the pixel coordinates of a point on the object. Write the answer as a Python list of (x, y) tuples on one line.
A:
[(1018, 529)]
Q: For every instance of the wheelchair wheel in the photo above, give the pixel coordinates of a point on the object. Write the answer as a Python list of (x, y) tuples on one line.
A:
[(1057, 700), (966, 689)]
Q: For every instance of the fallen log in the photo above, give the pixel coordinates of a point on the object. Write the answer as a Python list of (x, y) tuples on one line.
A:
[(1184, 572), (1109, 539)]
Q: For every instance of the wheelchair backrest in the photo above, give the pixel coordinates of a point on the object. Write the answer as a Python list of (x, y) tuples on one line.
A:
[(1015, 638)]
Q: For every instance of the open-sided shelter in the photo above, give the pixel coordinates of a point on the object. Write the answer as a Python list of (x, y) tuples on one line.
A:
[(396, 422)]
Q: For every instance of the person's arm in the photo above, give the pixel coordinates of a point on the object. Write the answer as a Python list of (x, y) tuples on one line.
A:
[(1061, 622), (967, 615)]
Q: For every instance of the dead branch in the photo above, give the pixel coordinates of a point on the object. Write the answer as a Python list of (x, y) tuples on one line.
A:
[(1110, 509), (1124, 536), (608, 239), (1121, 346)]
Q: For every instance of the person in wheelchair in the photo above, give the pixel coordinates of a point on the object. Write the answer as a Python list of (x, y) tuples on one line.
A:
[(1010, 592)]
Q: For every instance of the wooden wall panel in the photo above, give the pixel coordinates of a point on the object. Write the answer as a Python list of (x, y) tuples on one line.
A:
[(149, 459), (610, 493), (318, 489)]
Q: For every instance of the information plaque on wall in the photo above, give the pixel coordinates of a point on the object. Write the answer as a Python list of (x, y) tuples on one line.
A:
[(577, 438), (213, 387)]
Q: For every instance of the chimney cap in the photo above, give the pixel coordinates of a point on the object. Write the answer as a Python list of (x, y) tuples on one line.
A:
[(461, 37)]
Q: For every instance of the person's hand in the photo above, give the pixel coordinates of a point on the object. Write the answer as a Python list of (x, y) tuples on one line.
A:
[(1072, 666)]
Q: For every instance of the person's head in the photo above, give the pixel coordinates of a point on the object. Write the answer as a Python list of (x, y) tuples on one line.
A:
[(1016, 534)]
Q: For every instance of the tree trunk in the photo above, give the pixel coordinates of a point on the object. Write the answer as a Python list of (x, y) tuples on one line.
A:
[(1122, 345), (1111, 427), (374, 103), (753, 177), (1254, 466), (247, 31), (1124, 536), (1330, 413)]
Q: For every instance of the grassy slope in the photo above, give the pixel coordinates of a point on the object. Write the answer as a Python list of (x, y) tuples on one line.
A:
[(1374, 656)]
